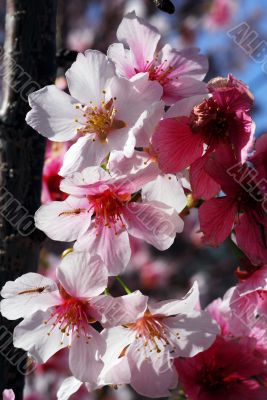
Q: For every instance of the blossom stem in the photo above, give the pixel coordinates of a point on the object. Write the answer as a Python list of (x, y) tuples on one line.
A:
[(123, 284)]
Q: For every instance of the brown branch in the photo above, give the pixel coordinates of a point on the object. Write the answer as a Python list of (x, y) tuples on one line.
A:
[(29, 60)]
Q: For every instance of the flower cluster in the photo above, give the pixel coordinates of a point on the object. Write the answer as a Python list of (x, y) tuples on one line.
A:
[(139, 139)]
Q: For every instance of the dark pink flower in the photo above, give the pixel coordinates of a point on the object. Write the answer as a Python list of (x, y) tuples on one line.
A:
[(230, 369), (221, 119), (241, 209)]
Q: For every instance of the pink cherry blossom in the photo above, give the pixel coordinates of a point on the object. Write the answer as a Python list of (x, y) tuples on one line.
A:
[(230, 369), (101, 212), (221, 119), (220, 14), (63, 318), (8, 394), (179, 72), (142, 349), (100, 112), (163, 188)]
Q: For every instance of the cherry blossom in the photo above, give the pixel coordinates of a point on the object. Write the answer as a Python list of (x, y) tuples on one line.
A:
[(142, 349), (230, 369), (179, 72), (197, 128), (8, 394), (101, 212), (65, 318), (100, 112)]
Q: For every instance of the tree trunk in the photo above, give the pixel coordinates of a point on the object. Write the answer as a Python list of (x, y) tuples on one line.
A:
[(29, 64)]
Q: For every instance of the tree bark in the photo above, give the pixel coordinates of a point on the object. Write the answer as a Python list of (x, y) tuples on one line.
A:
[(29, 64)]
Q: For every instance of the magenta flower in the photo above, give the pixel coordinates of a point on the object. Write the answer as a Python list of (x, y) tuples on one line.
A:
[(240, 209), (230, 369), (195, 128), (179, 72)]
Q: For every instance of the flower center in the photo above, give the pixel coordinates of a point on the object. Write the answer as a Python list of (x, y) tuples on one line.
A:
[(72, 316), (100, 120), (151, 329), (210, 120), (214, 377), (108, 208), (158, 72)]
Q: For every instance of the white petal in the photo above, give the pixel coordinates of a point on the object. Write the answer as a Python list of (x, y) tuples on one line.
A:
[(192, 333), (54, 114), (133, 97), (165, 189), (32, 336), (68, 387), (27, 294), (117, 340), (64, 220), (86, 152), (88, 75), (83, 275), (173, 307)]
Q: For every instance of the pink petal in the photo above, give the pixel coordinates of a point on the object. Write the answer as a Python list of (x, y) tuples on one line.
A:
[(8, 394), (84, 358), (216, 217), (146, 381), (114, 249), (184, 86), (82, 275), (251, 238), (155, 223), (141, 38), (203, 185), (63, 220), (123, 59), (175, 144), (187, 62)]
